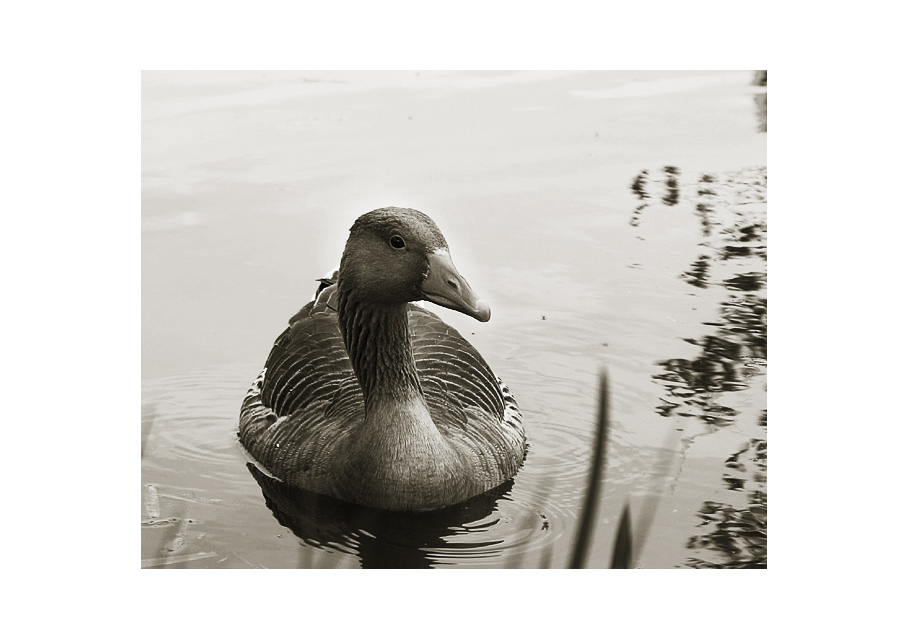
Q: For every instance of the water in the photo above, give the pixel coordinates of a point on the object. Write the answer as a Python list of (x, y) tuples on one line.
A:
[(609, 219)]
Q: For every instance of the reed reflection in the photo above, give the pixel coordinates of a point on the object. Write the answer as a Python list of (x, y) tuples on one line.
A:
[(731, 209), (736, 538)]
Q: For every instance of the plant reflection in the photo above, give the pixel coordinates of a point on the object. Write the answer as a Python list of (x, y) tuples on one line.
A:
[(731, 210), (726, 362), (737, 536), (761, 100), (639, 185), (643, 182), (761, 111), (672, 195), (697, 275)]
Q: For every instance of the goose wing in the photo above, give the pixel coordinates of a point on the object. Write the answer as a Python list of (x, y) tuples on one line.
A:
[(304, 399), (454, 376), (308, 365), (467, 401), (308, 395)]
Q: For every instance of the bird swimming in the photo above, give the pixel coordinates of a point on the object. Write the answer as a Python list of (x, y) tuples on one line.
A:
[(372, 399)]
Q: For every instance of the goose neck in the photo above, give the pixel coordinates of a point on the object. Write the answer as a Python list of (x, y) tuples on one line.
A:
[(377, 339)]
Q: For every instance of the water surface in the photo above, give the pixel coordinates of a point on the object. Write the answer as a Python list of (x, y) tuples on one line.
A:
[(609, 219)]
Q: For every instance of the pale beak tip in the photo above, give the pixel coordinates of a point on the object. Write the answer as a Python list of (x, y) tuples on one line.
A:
[(482, 312)]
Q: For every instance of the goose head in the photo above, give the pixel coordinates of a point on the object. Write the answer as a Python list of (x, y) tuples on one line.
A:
[(394, 256)]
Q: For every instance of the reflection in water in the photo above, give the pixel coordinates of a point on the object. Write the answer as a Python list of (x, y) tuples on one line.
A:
[(697, 275), (672, 195), (738, 536), (732, 210), (738, 347), (639, 185), (640, 189), (643, 183), (746, 282), (727, 360), (761, 111), (383, 539), (761, 100)]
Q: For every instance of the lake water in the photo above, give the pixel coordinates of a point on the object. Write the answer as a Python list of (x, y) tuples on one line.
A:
[(610, 219)]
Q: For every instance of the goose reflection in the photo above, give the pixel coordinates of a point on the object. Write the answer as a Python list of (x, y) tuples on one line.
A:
[(380, 539)]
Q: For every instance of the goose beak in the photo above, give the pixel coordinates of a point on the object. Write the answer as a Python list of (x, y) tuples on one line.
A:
[(445, 286)]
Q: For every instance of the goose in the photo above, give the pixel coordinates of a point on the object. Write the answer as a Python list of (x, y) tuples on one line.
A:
[(372, 399)]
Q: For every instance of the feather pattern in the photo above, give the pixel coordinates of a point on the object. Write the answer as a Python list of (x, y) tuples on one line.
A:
[(385, 406)]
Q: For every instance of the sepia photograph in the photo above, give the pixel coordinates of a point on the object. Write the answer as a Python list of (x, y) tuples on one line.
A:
[(454, 319)]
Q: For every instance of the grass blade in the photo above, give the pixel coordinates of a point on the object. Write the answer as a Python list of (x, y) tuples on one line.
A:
[(598, 462), (622, 546)]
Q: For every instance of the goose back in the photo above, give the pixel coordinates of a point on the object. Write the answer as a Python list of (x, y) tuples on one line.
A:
[(306, 404)]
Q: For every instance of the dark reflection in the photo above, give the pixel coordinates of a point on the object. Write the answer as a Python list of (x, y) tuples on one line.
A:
[(761, 111), (731, 251), (760, 79), (714, 199), (704, 211), (737, 538), (672, 196), (746, 282), (381, 539), (705, 180), (738, 346), (640, 189), (697, 275), (732, 235), (639, 185), (636, 217), (705, 208), (752, 233), (746, 324), (727, 360), (730, 209)]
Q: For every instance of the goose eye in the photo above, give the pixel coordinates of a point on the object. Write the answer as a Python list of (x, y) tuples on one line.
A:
[(396, 242)]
